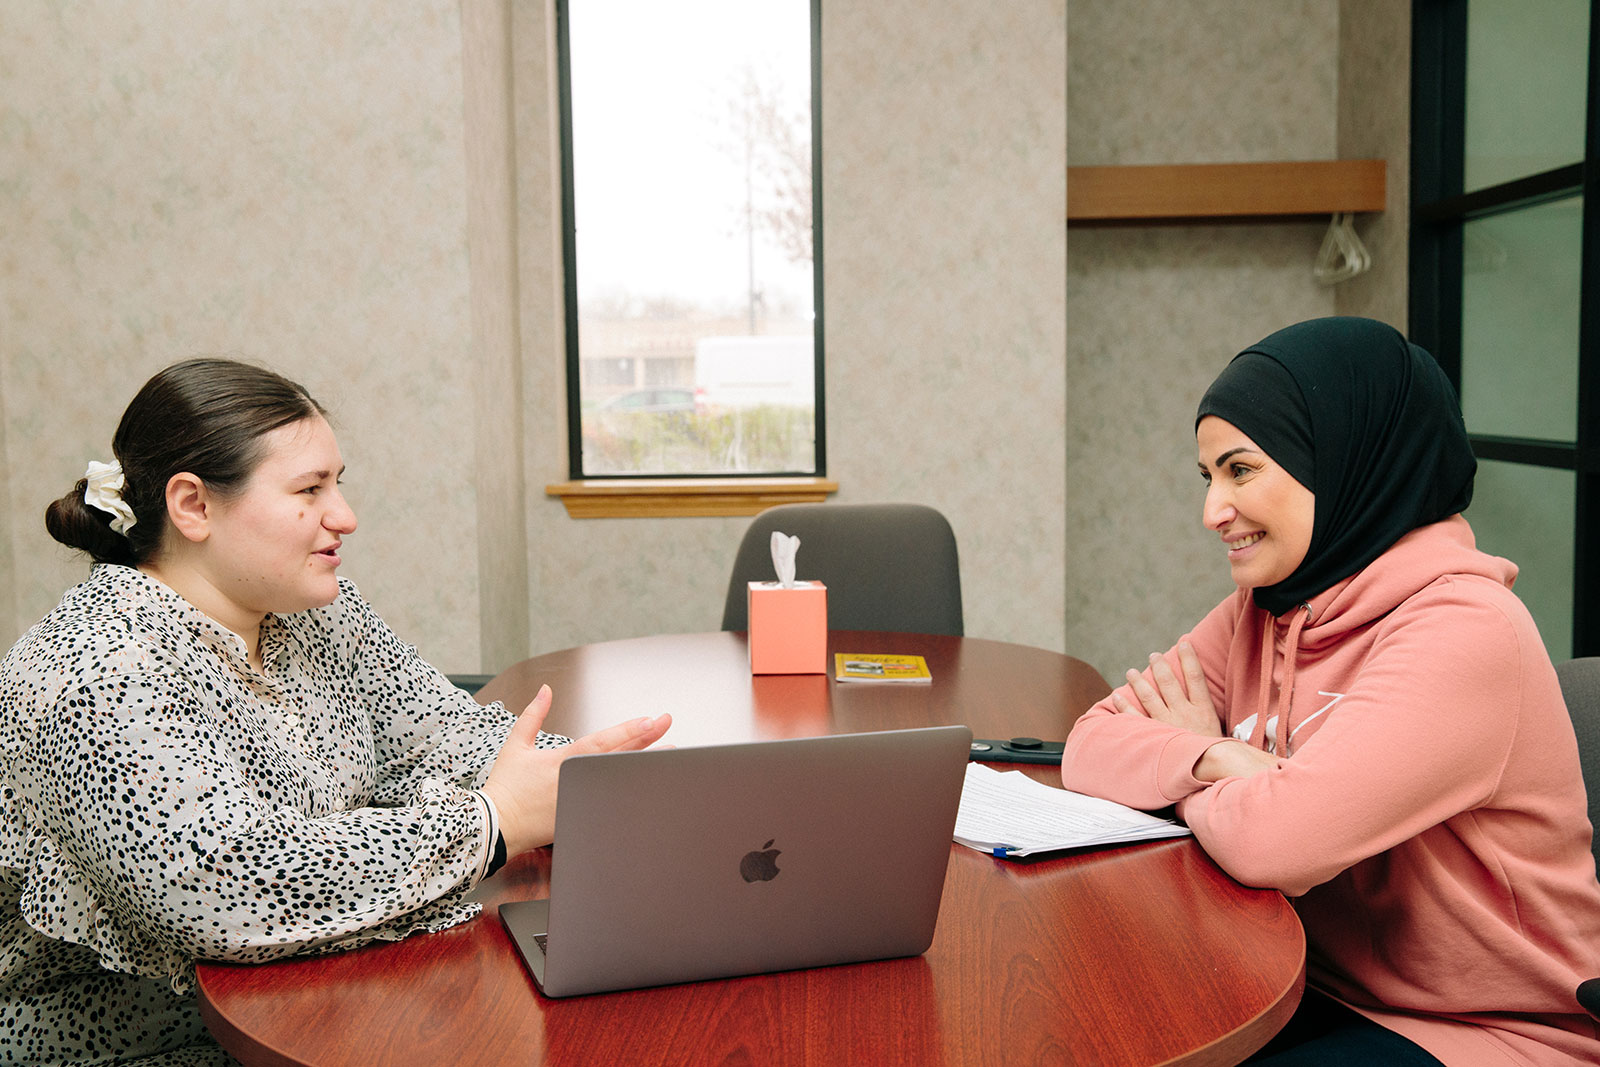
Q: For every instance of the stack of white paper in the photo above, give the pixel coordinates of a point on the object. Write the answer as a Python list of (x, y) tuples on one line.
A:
[(1009, 814)]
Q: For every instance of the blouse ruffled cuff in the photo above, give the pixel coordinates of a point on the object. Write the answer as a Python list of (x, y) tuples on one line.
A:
[(491, 848)]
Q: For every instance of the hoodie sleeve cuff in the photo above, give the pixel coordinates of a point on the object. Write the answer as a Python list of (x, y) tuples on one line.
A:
[(1175, 769)]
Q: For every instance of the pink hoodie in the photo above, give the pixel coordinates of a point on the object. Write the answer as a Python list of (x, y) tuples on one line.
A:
[(1429, 816)]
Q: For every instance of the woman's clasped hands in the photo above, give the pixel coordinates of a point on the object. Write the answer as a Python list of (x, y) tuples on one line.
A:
[(1186, 703), (522, 782)]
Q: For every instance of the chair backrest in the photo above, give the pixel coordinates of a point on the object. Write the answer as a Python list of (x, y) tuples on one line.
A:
[(1580, 687), (886, 566)]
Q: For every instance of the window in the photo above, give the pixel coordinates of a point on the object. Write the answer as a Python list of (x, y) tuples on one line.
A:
[(689, 141), (1504, 282)]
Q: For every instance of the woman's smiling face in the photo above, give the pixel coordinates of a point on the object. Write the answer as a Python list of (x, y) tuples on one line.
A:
[(1262, 513)]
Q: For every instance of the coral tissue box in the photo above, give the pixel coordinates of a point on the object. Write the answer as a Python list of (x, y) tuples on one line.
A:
[(788, 628)]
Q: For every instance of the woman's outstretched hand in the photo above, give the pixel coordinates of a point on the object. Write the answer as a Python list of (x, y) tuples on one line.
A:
[(522, 782), (1184, 702)]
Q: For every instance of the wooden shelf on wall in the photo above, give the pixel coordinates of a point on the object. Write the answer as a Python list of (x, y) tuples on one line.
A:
[(1214, 191), (637, 498)]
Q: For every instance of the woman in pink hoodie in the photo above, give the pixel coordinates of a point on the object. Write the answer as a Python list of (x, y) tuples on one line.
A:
[(1370, 723)]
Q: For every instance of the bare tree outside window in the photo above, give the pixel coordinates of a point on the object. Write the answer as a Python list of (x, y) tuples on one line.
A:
[(690, 252)]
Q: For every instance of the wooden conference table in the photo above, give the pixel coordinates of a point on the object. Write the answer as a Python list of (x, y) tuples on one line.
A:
[(1136, 955)]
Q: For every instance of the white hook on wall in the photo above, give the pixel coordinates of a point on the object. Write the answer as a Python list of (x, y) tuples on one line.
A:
[(1342, 256)]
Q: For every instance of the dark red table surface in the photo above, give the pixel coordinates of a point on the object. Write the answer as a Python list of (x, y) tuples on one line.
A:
[(1136, 955)]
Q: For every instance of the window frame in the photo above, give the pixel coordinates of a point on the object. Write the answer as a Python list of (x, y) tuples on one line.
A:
[(577, 478), (1439, 211)]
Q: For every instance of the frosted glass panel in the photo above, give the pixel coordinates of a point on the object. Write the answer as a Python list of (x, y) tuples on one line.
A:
[(1519, 322), (1526, 515), (1527, 66)]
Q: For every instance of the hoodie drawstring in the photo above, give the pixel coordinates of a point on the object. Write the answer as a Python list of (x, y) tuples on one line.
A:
[(1258, 732), (1286, 691), (1284, 699)]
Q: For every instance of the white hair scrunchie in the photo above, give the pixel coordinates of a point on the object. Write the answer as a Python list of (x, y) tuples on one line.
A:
[(104, 493)]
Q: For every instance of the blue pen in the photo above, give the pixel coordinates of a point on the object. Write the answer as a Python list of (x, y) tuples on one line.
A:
[(1004, 851)]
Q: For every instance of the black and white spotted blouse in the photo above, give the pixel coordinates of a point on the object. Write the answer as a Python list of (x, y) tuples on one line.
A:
[(163, 801)]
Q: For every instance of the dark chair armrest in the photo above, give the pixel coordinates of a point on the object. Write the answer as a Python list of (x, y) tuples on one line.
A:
[(470, 682), (1589, 996)]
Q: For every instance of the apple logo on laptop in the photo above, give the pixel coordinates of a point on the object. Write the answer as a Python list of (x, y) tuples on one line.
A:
[(760, 866)]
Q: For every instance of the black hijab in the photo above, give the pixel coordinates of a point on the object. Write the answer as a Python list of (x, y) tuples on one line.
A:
[(1364, 419)]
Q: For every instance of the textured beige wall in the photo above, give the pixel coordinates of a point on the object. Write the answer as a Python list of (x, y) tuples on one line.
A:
[(280, 182), (1205, 81), (9, 607), (945, 170), (1155, 312), (1375, 123), (500, 473)]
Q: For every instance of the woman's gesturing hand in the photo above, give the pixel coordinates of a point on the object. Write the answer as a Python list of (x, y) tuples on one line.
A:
[(522, 782), (1183, 702)]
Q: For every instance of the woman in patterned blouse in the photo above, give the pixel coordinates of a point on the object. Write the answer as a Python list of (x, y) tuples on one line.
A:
[(213, 748)]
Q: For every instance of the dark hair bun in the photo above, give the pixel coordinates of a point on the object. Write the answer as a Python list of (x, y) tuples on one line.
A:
[(77, 525), (202, 416)]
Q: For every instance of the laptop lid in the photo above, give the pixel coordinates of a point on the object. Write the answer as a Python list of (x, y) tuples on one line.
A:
[(684, 864)]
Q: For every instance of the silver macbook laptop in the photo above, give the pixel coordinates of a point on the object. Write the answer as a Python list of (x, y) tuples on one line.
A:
[(684, 864)]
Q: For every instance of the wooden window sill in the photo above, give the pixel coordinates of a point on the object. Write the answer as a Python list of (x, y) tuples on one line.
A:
[(639, 498)]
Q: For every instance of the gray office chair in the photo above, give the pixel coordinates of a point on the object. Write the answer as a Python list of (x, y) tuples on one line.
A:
[(886, 566), (1580, 688), (470, 682)]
